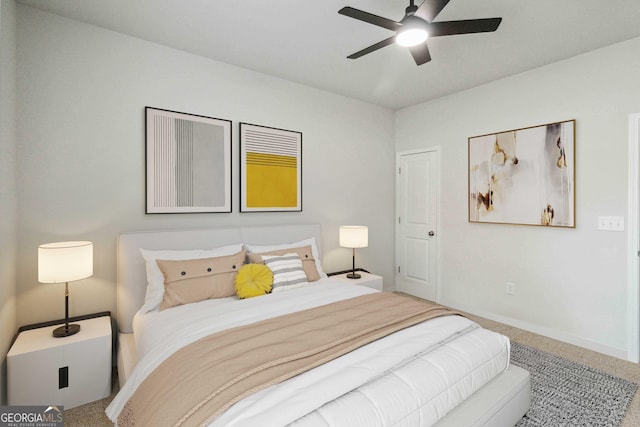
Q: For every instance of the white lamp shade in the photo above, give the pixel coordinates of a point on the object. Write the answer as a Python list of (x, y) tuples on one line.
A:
[(64, 261), (354, 236)]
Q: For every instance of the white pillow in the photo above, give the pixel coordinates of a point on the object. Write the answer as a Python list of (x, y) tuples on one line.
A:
[(311, 241), (287, 271), (155, 279)]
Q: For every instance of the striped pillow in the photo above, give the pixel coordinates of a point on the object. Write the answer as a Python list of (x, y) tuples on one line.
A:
[(287, 271)]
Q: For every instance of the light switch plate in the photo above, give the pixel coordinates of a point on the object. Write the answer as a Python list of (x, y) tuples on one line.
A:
[(611, 223)]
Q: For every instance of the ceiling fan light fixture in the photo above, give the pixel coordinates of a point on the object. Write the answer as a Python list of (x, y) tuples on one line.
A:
[(412, 32), (411, 37)]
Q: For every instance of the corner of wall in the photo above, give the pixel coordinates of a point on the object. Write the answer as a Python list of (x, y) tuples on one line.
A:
[(8, 204)]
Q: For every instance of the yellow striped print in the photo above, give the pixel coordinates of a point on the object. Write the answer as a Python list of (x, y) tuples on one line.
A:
[(271, 160), (272, 181)]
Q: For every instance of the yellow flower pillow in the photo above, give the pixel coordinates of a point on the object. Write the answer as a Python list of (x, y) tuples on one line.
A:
[(253, 280)]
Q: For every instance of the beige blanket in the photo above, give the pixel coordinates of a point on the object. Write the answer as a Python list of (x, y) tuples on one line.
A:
[(201, 380)]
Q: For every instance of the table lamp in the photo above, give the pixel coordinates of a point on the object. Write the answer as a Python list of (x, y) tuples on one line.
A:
[(354, 236), (65, 262)]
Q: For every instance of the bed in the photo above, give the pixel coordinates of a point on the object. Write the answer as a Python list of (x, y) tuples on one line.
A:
[(456, 374)]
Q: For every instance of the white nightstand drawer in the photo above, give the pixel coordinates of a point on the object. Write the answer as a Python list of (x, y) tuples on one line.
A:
[(366, 279), (69, 371)]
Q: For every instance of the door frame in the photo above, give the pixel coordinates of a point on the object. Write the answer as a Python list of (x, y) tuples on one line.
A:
[(399, 154), (633, 242)]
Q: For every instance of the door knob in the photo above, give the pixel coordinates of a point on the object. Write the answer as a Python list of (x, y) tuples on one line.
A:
[(431, 234)]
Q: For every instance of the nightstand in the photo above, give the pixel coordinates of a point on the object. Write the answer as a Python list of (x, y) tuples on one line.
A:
[(69, 371), (366, 279)]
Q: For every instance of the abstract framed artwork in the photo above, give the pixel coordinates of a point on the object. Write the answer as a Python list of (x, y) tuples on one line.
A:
[(270, 169), (524, 176), (188, 162)]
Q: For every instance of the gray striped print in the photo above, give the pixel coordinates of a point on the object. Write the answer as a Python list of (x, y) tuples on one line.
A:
[(189, 163)]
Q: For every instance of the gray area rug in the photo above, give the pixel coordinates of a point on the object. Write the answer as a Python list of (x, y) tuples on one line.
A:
[(565, 393)]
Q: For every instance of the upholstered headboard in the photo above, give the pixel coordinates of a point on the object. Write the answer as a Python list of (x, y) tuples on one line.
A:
[(132, 276)]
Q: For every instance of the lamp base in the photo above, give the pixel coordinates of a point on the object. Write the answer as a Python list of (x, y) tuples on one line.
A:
[(353, 276), (66, 330)]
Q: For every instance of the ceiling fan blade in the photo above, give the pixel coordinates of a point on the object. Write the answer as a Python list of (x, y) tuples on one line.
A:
[(369, 18), (467, 26), (372, 48), (420, 53), (430, 9)]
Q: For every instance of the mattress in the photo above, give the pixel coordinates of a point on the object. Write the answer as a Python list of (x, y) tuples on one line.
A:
[(412, 377)]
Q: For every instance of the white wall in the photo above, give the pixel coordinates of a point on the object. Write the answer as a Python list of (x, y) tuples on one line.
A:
[(570, 283), (81, 97), (81, 92), (7, 184)]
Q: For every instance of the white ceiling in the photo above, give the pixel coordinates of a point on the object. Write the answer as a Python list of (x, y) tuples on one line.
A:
[(308, 41)]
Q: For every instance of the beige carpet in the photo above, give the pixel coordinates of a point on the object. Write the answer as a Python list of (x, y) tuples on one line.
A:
[(92, 414)]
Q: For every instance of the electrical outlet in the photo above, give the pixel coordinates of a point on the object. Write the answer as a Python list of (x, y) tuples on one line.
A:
[(511, 288)]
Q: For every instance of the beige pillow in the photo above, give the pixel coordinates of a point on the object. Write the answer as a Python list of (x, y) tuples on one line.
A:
[(305, 253), (196, 280)]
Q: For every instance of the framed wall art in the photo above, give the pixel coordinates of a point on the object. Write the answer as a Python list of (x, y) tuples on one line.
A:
[(524, 176), (188, 162), (270, 169)]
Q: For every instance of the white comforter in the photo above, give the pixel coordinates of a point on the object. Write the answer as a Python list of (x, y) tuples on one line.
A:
[(413, 377)]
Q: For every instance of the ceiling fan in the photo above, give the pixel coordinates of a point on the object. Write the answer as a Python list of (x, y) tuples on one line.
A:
[(416, 26)]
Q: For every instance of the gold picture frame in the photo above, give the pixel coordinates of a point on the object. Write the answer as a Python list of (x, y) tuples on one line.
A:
[(524, 176)]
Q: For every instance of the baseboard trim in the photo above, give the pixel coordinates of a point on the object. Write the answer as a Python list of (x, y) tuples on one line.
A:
[(544, 331)]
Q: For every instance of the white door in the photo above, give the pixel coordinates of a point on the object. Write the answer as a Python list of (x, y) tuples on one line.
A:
[(417, 187)]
